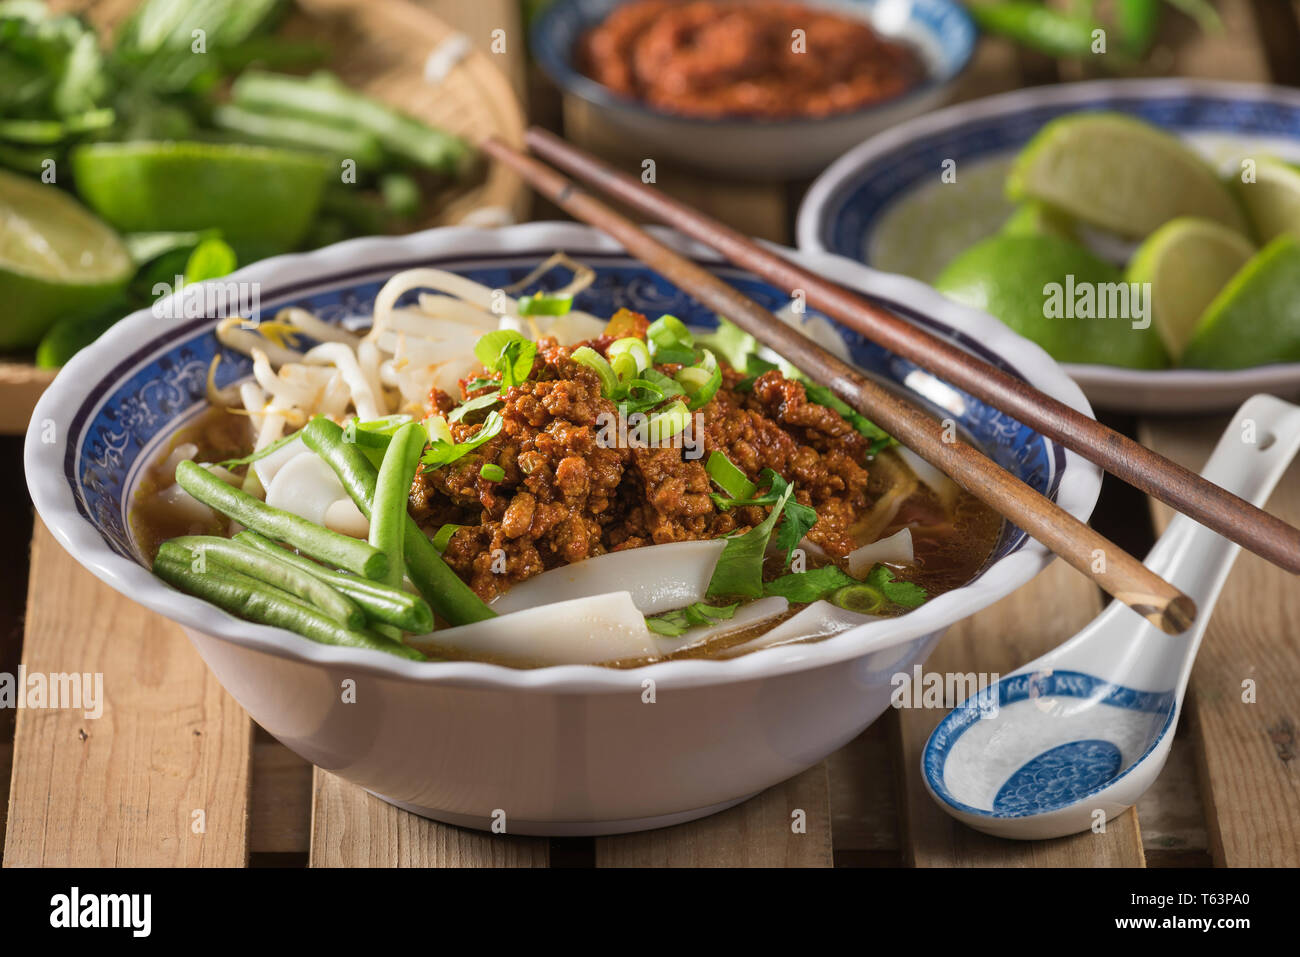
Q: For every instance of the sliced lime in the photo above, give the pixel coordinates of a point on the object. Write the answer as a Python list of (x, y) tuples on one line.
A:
[(56, 260), (1272, 201), (1059, 295), (1255, 318), (1186, 262), (1120, 174), (263, 200)]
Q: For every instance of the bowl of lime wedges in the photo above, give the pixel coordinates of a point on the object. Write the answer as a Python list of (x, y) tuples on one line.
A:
[(1146, 233)]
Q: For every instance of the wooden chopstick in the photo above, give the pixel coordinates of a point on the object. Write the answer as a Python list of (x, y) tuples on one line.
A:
[(1180, 488), (1117, 572)]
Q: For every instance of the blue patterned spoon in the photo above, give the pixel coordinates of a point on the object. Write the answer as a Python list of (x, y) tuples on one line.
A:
[(1075, 737)]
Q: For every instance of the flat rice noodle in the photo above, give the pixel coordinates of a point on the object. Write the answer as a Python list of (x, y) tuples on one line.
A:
[(578, 631), (659, 578), (819, 620)]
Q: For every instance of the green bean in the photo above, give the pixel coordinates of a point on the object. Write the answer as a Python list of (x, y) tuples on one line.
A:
[(268, 569), (390, 606), (392, 490), (445, 592), (323, 98), (306, 134), (320, 543), (242, 596), (1038, 27)]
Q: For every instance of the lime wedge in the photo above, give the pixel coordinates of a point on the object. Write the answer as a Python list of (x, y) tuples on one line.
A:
[(56, 260), (1034, 219), (1119, 174), (262, 199), (1059, 295), (1186, 261), (1255, 318), (1272, 202)]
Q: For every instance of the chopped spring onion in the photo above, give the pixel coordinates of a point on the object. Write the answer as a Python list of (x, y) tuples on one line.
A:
[(661, 426), (543, 304), (701, 381), (629, 357), (593, 360), (492, 473), (859, 598), (442, 538), (799, 518), (651, 389), (728, 477), (473, 405), (668, 330)]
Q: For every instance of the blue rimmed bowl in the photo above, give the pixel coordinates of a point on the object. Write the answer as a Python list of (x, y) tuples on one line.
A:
[(940, 31), (559, 750), (885, 203)]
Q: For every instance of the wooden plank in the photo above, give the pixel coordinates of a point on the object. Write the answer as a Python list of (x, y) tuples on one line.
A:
[(123, 789), (864, 794), (759, 833), (21, 385), (280, 812), (1250, 778), (350, 828), (999, 639)]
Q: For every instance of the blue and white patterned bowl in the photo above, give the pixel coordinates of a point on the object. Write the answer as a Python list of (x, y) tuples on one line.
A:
[(886, 205), (457, 740), (940, 31)]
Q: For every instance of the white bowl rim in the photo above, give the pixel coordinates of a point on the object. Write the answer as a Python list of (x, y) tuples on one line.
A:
[(559, 68), (1076, 493)]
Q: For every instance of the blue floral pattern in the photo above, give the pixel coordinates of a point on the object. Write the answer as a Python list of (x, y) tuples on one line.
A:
[(1061, 775)]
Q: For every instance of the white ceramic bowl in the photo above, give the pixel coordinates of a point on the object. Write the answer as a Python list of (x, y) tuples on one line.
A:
[(559, 750), (940, 31)]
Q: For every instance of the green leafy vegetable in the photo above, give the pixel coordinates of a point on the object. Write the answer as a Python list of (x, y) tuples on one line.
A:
[(901, 593), (814, 584), (506, 352), (675, 623), (473, 405), (441, 452), (739, 571)]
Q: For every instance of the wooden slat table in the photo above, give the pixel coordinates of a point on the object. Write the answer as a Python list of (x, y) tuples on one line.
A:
[(175, 773)]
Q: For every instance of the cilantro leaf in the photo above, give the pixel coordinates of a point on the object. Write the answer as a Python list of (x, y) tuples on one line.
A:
[(473, 405), (507, 352), (674, 623), (809, 586), (901, 593), (441, 452)]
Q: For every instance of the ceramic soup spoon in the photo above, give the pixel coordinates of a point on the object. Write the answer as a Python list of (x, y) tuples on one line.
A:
[(1082, 732)]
